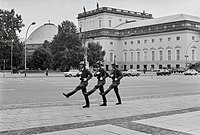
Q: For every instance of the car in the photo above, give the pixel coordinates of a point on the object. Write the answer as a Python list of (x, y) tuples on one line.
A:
[(131, 72), (162, 72), (71, 73), (191, 72)]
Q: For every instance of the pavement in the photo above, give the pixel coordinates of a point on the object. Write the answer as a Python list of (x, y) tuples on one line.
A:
[(173, 114)]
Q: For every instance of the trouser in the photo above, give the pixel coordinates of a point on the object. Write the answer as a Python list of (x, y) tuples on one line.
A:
[(114, 86), (100, 87), (82, 86)]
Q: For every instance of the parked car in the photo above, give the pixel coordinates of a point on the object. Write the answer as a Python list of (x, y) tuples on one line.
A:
[(162, 72), (72, 72), (191, 72), (131, 72)]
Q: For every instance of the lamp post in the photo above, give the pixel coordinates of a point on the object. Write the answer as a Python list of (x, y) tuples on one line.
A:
[(186, 56), (33, 23), (11, 55)]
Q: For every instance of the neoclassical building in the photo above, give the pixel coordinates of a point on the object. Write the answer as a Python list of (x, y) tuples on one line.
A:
[(140, 41)]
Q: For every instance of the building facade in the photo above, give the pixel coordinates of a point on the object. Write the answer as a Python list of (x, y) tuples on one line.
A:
[(140, 41)]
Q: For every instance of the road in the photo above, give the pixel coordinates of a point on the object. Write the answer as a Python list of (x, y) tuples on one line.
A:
[(40, 89)]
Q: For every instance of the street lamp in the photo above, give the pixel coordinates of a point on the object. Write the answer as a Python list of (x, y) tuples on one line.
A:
[(33, 23), (186, 56)]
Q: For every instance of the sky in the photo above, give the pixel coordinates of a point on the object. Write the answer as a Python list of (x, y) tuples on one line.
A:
[(57, 11)]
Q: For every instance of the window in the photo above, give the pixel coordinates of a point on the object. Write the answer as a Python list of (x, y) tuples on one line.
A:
[(131, 42), (131, 56), (145, 56), (177, 54), (138, 66), (131, 66), (160, 39), (138, 42), (169, 54), (193, 38), (178, 38), (145, 41), (153, 55), (111, 56), (99, 23), (125, 43), (193, 54), (111, 43), (160, 67), (169, 39), (138, 56), (110, 22), (125, 56), (120, 20), (152, 40), (161, 55)]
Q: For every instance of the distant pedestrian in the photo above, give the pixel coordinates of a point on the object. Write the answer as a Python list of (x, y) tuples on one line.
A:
[(144, 70), (85, 76), (101, 75), (116, 76), (47, 72)]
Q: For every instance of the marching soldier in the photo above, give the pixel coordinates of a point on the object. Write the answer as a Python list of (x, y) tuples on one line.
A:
[(85, 76), (116, 76), (101, 75)]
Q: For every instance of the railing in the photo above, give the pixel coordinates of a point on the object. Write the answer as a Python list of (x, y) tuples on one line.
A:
[(142, 30), (117, 11)]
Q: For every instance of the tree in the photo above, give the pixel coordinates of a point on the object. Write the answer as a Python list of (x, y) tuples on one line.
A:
[(42, 57), (66, 47), (10, 23), (95, 53)]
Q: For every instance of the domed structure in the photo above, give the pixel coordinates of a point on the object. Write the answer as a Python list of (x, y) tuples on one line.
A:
[(38, 36)]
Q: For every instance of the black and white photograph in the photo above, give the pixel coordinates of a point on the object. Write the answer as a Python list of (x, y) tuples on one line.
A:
[(99, 67)]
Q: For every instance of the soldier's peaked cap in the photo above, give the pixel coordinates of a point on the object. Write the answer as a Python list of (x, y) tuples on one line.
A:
[(82, 63)]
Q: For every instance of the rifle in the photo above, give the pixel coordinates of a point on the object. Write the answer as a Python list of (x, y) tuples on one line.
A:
[(114, 66)]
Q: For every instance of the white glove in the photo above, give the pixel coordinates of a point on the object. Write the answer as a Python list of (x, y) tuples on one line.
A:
[(116, 79), (101, 78), (98, 73), (80, 73), (84, 79)]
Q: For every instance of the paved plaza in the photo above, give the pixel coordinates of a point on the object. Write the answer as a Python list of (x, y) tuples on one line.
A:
[(175, 114)]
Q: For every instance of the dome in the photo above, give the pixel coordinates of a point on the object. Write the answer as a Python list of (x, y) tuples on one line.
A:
[(44, 32)]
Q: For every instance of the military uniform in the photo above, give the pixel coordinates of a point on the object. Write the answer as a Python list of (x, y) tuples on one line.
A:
[(85, 75), (116, 76), (101, 75)]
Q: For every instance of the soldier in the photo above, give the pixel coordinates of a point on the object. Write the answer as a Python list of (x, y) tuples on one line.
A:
[(85, 75), (101, 75), (116, 76)]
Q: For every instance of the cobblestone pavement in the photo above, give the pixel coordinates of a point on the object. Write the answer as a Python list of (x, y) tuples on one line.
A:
[(176, 114)]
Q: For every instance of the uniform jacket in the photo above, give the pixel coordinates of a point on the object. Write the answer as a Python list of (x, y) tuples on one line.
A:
[(85, 75), (116, 75), (101, 74)]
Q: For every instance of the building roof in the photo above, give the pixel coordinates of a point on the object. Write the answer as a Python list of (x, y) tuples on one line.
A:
[(160, 20), (114, 11), (44, 32)]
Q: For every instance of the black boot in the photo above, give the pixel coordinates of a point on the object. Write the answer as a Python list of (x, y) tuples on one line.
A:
[(66, 95), (86, 106), (104, 104), (119, 103)]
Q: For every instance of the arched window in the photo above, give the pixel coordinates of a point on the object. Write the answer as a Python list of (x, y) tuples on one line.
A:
[(131, 56), (169, 54), (100, 23), (110, 23), (178, 54)]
